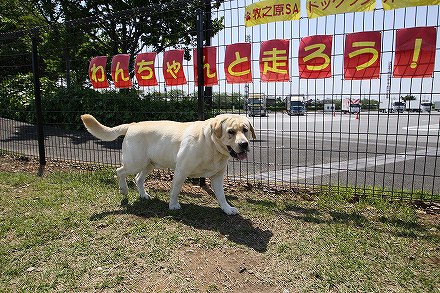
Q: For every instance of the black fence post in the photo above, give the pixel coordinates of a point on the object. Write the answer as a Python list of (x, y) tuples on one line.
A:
[(38, 107), (208, 35), (200, 75)]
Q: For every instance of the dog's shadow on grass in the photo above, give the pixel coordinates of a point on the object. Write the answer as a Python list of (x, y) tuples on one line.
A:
[(235, 228)]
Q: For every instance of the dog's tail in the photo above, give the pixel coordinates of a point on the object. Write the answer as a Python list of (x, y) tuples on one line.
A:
[(101, 131)]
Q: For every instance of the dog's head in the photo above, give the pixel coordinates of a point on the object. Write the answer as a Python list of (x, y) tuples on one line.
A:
[(234, 133)]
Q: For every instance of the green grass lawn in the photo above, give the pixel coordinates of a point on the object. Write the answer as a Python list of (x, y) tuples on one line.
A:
[(72, 231)]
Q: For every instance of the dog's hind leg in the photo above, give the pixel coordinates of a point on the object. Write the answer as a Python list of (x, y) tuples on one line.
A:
[(140, 180), (122, 176)]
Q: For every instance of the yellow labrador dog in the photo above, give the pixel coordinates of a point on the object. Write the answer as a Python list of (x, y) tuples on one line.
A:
[(192, 149)]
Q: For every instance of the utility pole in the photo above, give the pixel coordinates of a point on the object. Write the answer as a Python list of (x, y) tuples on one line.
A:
[(246, 86), (388, 93)]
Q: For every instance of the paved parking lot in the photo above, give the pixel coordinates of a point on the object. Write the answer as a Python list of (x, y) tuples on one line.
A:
[(398, 151), (395, 151)]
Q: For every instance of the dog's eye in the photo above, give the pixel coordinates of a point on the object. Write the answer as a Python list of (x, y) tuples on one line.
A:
[(231, 132), (245, 130)]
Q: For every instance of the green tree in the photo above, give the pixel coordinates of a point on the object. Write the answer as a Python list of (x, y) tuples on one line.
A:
[(369, 104), (75, 30), (408, 98), (228, 101), (15, 47)]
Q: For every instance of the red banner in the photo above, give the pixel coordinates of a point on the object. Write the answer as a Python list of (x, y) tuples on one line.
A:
[(173, 68), (314, 57), (238, 63), (414, 57), (415, 52), (144, 69), (97, 72), (274, 60), (362, 55), (209, 66), (120, 73)]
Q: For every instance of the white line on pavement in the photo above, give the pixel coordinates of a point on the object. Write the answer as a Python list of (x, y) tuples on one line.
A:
[(306, 172)]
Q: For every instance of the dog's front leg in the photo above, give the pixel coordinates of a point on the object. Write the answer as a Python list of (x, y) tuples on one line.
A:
[(122, 177), (178, 181), (217, 186)]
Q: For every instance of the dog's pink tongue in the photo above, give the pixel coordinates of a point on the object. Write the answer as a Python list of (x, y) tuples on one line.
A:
[(242, 156)]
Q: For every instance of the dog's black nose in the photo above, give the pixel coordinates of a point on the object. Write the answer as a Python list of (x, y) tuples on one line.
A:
[(244, 145)]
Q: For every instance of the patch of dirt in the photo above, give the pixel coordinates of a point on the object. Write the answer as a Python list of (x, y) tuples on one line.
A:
[(15, 163), (429, 213), (219, 269)]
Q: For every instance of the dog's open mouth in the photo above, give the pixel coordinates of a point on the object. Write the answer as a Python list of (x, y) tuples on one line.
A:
[(240, 156)]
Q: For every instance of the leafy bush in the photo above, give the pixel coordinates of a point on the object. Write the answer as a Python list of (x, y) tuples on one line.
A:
[(113, 108), (63, 106), (17, 97)]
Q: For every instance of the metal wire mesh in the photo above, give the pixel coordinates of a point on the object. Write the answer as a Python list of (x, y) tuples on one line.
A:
[(393, 154)]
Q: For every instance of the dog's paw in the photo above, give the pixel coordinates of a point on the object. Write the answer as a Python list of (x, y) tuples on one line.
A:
[(145, 196), (174, 207), (231, 210)]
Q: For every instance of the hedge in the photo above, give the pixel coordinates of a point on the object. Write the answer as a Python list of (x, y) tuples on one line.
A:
[(63, 106)]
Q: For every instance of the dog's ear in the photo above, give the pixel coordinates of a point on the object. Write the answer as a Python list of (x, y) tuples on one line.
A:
[(252, 131), (217, 127), (251, 128)]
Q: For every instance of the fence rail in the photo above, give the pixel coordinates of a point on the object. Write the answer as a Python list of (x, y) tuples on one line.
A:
[(375, 151)]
